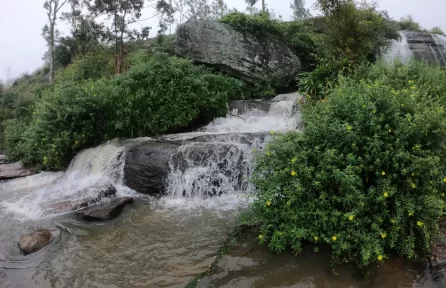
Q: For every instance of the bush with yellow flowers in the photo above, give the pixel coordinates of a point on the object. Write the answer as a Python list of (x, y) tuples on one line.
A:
[(367, 176)]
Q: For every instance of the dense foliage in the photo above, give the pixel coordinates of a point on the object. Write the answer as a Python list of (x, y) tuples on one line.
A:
[(408, 23), (157, 95), (354, 32), (368, 175), (437, 30)]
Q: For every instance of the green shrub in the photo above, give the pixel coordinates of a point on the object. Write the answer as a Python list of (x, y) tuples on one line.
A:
[(408, 24), (367, 176), (153, 97), (437, 30), (260, 24), (88, 66)]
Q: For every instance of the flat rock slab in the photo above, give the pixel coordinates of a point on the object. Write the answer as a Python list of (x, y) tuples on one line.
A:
[(104, 211), (14, 170)]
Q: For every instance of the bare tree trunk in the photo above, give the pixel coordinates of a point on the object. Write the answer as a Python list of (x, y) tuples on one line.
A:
[(52, 17), (51, 52), (263, 6)]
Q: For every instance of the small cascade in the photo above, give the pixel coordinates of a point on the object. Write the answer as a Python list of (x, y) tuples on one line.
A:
[(423, 46), (399, 49), (440, 41), (220, 162), (89, 174), (215, 161)]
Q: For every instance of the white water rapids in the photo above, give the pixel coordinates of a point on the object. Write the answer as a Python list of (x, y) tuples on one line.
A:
[(219, 166)]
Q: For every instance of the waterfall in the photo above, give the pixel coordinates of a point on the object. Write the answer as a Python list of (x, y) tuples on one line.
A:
[(399, 49), (89, 173), (423, 46), (214, 161)]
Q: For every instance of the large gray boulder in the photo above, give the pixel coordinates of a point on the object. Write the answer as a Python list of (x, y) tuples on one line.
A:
[(241, 55), (147, 166)]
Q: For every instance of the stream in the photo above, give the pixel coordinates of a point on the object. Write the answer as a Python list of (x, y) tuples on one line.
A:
[(163, 241)]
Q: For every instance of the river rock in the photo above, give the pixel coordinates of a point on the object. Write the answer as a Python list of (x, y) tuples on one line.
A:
[(92, 194), (35, 241), (427, 47), (104, 211), (240, 54), (147, 166), (14, 170)]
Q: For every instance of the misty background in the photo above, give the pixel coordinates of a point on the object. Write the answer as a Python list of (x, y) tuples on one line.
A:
[(21, 25)]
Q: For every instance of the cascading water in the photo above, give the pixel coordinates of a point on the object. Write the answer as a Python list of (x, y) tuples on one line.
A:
[(49, 194), (221, 165), (423, 46), (158, 242), (399, 49)]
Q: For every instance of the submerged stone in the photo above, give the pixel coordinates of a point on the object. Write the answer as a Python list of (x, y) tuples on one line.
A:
[(104, 211), (92, 195), (35, 241)]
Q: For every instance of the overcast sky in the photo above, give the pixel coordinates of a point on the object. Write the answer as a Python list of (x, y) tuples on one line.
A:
[(21, 22)]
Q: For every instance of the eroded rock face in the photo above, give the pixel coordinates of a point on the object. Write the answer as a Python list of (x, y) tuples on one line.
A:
[(427, 47), (241, 55), (104, 211), (13, 170), (147, 166), (35, 241)]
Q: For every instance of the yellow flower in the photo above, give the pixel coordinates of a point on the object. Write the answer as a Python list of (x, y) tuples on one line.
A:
[(444, 180), (383, 173), (293, 173), (268, 203), (393, 220), (351, 217), (419, 223), (410, 81), (268, 153), (349, 127), (271, 132), (260, 236), (383, 235), (315, 238), (410, 213), (390, 130), (380, 257), (414, 186), (413, 87), (386, 194), (334, 238)]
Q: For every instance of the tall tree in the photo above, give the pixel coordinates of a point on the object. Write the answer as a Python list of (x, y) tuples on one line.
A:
[(198, 9), (218, 8), (299, 10), (253, 2), (49, 32), (122, 13)]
